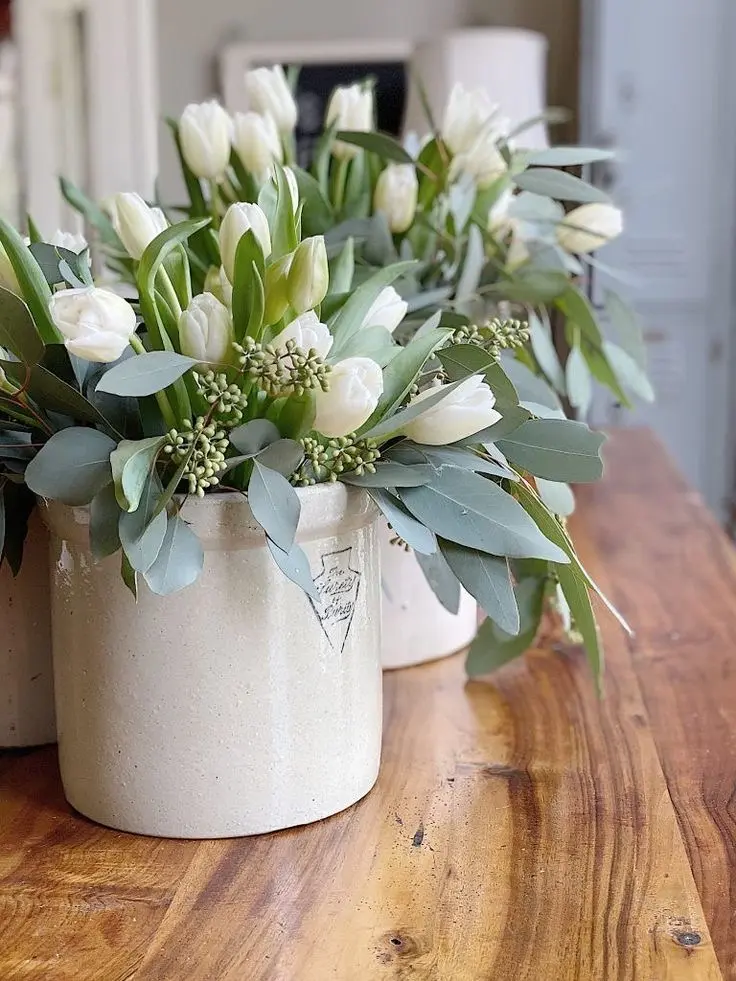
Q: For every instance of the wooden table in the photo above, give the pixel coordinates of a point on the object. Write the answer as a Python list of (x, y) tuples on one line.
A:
[(520, 829)]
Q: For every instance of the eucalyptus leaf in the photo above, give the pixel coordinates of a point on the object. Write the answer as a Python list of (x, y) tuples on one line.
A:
[(351, 317), (295, 566), (578, 309), (579, 381), (391, 474), (104, 518), (462, 360), (578, 599), (512, 418), (559, 185), (530, 387), (142, 531), (493, 647), (275, 505), (488, 580), (379, 143), (394, 423), (556, 449), (72, 466), (627, 327), (132, 463), (473, 264), (456, 456), (18, 503), (546, 355), (441, 580), (569, 156), (18, 332), (179, 561), (630, 375), (253, 437), (557, 496), (129, 576), (373, 342), (145, 374), (285, 456), (406, 526), (470, 510)]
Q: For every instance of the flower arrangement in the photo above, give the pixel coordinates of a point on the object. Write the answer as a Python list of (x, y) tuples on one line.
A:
[(278, 371)]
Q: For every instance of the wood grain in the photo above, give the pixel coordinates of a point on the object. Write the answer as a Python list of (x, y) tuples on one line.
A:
[(520, 829)]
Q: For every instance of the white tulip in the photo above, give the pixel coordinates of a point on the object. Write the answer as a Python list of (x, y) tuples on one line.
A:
[(206, 330), (96, 324), (351, 108), (137, 225), (69, 241), (8, 279), (307, 333), (499, 221), (589, 227), (355, 386), (467, 115), (309, 275), (239, 219), (268, 92), (466, 411), (483, 161), (205, 133), (387, 310), (396, 196), (256, 141)]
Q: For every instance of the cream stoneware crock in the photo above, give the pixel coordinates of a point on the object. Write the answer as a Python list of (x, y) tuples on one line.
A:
[(237, 706)]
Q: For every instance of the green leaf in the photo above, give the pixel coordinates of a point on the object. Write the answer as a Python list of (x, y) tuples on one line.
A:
[(35, 289), (627, 327), (559, 185), (317, 215), (441, 580), (579, 381), (253, 437), (488, 580), (248, 291), (578, 310), (18, 504), (342, 269), (578, 599), (104, 518), (569, 156), (556, 449), (142, 531), (630, 375), (532, 286), (145, 374), (132, 463), (558, 497), (285, 456), (375, 343), (391, 474), (392, 424), (512, 417), (179, 561), (456, 456), (385, 146), (162, 247), (72, 466), (530, 387), (295, 566), (350, 318), (18, 332), (475, 259), (545, 353), (406, 526), (493, 647), (603, 372), (466, 508), (91, 212), (403, 371), (129, 576), (275, 505), (462, 360)]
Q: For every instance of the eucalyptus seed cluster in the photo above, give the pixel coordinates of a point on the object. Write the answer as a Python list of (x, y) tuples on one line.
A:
[(494, 336), (327, 460), (202, 445), (283, 371), (229, 402)]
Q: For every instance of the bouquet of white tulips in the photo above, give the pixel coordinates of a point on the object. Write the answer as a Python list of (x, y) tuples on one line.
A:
[(283, 374)]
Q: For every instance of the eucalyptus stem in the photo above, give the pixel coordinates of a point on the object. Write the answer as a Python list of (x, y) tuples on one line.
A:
[(161, 398)]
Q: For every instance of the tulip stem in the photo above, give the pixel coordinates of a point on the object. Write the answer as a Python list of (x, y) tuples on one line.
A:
[(340, 182), (167, 288), (163, 403)]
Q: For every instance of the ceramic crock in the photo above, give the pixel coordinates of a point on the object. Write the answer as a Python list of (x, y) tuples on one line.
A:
[(237, 706)]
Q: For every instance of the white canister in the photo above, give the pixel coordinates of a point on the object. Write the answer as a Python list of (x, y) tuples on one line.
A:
[(416, 627), (237, 706), (26, 674)]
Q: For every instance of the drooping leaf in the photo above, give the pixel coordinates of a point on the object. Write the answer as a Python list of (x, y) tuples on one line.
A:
[(36, 291), (546, 355), (578, 599), (145, 374), (179, 561), (132, 463), (275, 505), (142, 531), (493, 647), (470, 510), (578, 309), (406, 526), (488, 580), (630, 375), (253, 437), (129, 576), (441, 579), (104, 518), (18, 333), (295, 566), (72, 466), (627, 327), (559, 185), (556, 449)]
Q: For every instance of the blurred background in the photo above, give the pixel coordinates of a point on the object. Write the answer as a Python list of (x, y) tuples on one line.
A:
[(83, 84)]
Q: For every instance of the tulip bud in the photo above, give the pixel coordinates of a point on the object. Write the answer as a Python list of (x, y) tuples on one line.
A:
[(137, 225), (308, 334), (206, 330), (355, 386), (388, 310), (396, 196), (256, 141), (351, 108), (276, 289), (589, 227), (309, 276), (205, 133), (468, 410), (69, 241), (268, 92), (8, 279), (239, 219), (467, 116), (97, 325)]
